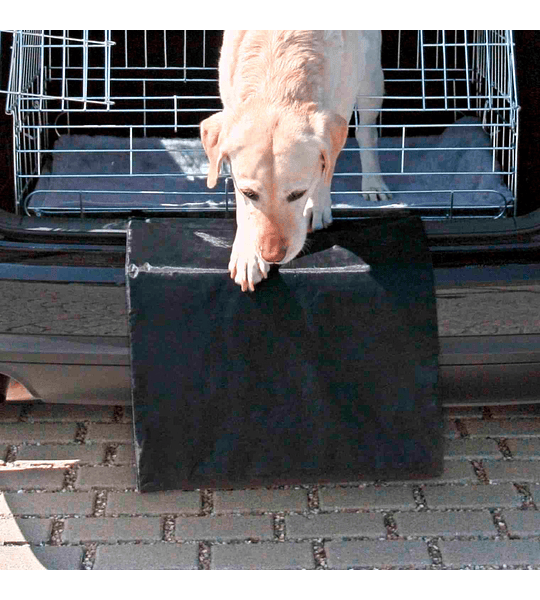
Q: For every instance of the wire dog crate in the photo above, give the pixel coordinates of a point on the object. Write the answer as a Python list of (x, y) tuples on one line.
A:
[(107, 122)]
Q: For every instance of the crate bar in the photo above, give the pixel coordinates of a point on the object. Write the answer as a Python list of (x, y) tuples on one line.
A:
[(131, 150), (107, 67), (488, 69), (444, 70), (421, 33), (64, 80), (403, 150), (42, 36), (144, 100), (42, 74), (383, 126), (184, 175), (185, 55), (165, 59), (85, 66), (22, 59), (145, 50), (204, 49)]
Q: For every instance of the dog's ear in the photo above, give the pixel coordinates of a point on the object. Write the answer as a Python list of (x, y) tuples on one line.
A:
[(332, 131), (212, 141)]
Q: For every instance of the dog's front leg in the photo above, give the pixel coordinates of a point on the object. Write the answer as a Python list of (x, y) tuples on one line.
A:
[(318, 210), (246, 267)]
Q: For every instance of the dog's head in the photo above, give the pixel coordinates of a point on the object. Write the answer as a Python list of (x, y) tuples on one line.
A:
[(277, 160)]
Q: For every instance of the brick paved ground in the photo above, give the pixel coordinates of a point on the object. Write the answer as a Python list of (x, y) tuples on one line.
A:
[(68, 501)]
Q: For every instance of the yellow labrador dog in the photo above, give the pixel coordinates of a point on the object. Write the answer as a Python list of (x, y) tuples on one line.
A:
[(288, 97)]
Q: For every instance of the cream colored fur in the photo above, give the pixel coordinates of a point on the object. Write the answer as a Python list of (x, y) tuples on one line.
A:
[(288, 97)]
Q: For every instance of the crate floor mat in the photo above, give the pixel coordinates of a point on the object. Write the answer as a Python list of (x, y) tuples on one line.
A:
[(92, 172), (327, 372)]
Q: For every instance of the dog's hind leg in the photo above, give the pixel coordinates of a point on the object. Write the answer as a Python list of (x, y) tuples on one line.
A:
[(369, 101)]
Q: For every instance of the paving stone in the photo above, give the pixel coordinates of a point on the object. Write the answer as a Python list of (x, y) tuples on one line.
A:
[(472, 496), (30, 479), (224, 528), (48, 504), (41, 557), (59, 557), (458, 554), (265, 555), (448, 524), (125, 455), (334, 525), (260, 500), (525, 448), (134, 503), (371, 497), (377, 553), (523, 523), (16, 530), (83, 453), (37, 432), (70, 413), (9, 413), (503, 427), (120, 478), (124, 541), (513, 470), (454, 471), (471, 448), (535, 492), (109, 432), (147, 556), (108, 529)]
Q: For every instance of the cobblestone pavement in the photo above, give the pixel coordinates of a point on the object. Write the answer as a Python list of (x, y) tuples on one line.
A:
[(68, 501)]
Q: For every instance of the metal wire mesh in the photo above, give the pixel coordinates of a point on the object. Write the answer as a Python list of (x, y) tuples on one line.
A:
[(107, 122)]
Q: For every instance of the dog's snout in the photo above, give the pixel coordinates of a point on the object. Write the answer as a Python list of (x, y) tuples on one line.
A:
[(273, 248)]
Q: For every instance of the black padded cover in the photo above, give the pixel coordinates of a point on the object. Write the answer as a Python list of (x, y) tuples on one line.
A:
[(327, 372)]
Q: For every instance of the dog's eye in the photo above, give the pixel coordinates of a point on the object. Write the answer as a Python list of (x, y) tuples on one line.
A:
[(295, 195), (251, 195)]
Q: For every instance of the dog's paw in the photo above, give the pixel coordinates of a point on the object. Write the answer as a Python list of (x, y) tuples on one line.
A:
[(318, 217), (247, 269), (374, 188), (321, 219)]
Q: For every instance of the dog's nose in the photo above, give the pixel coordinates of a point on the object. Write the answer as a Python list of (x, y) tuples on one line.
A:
[(273, 248)]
